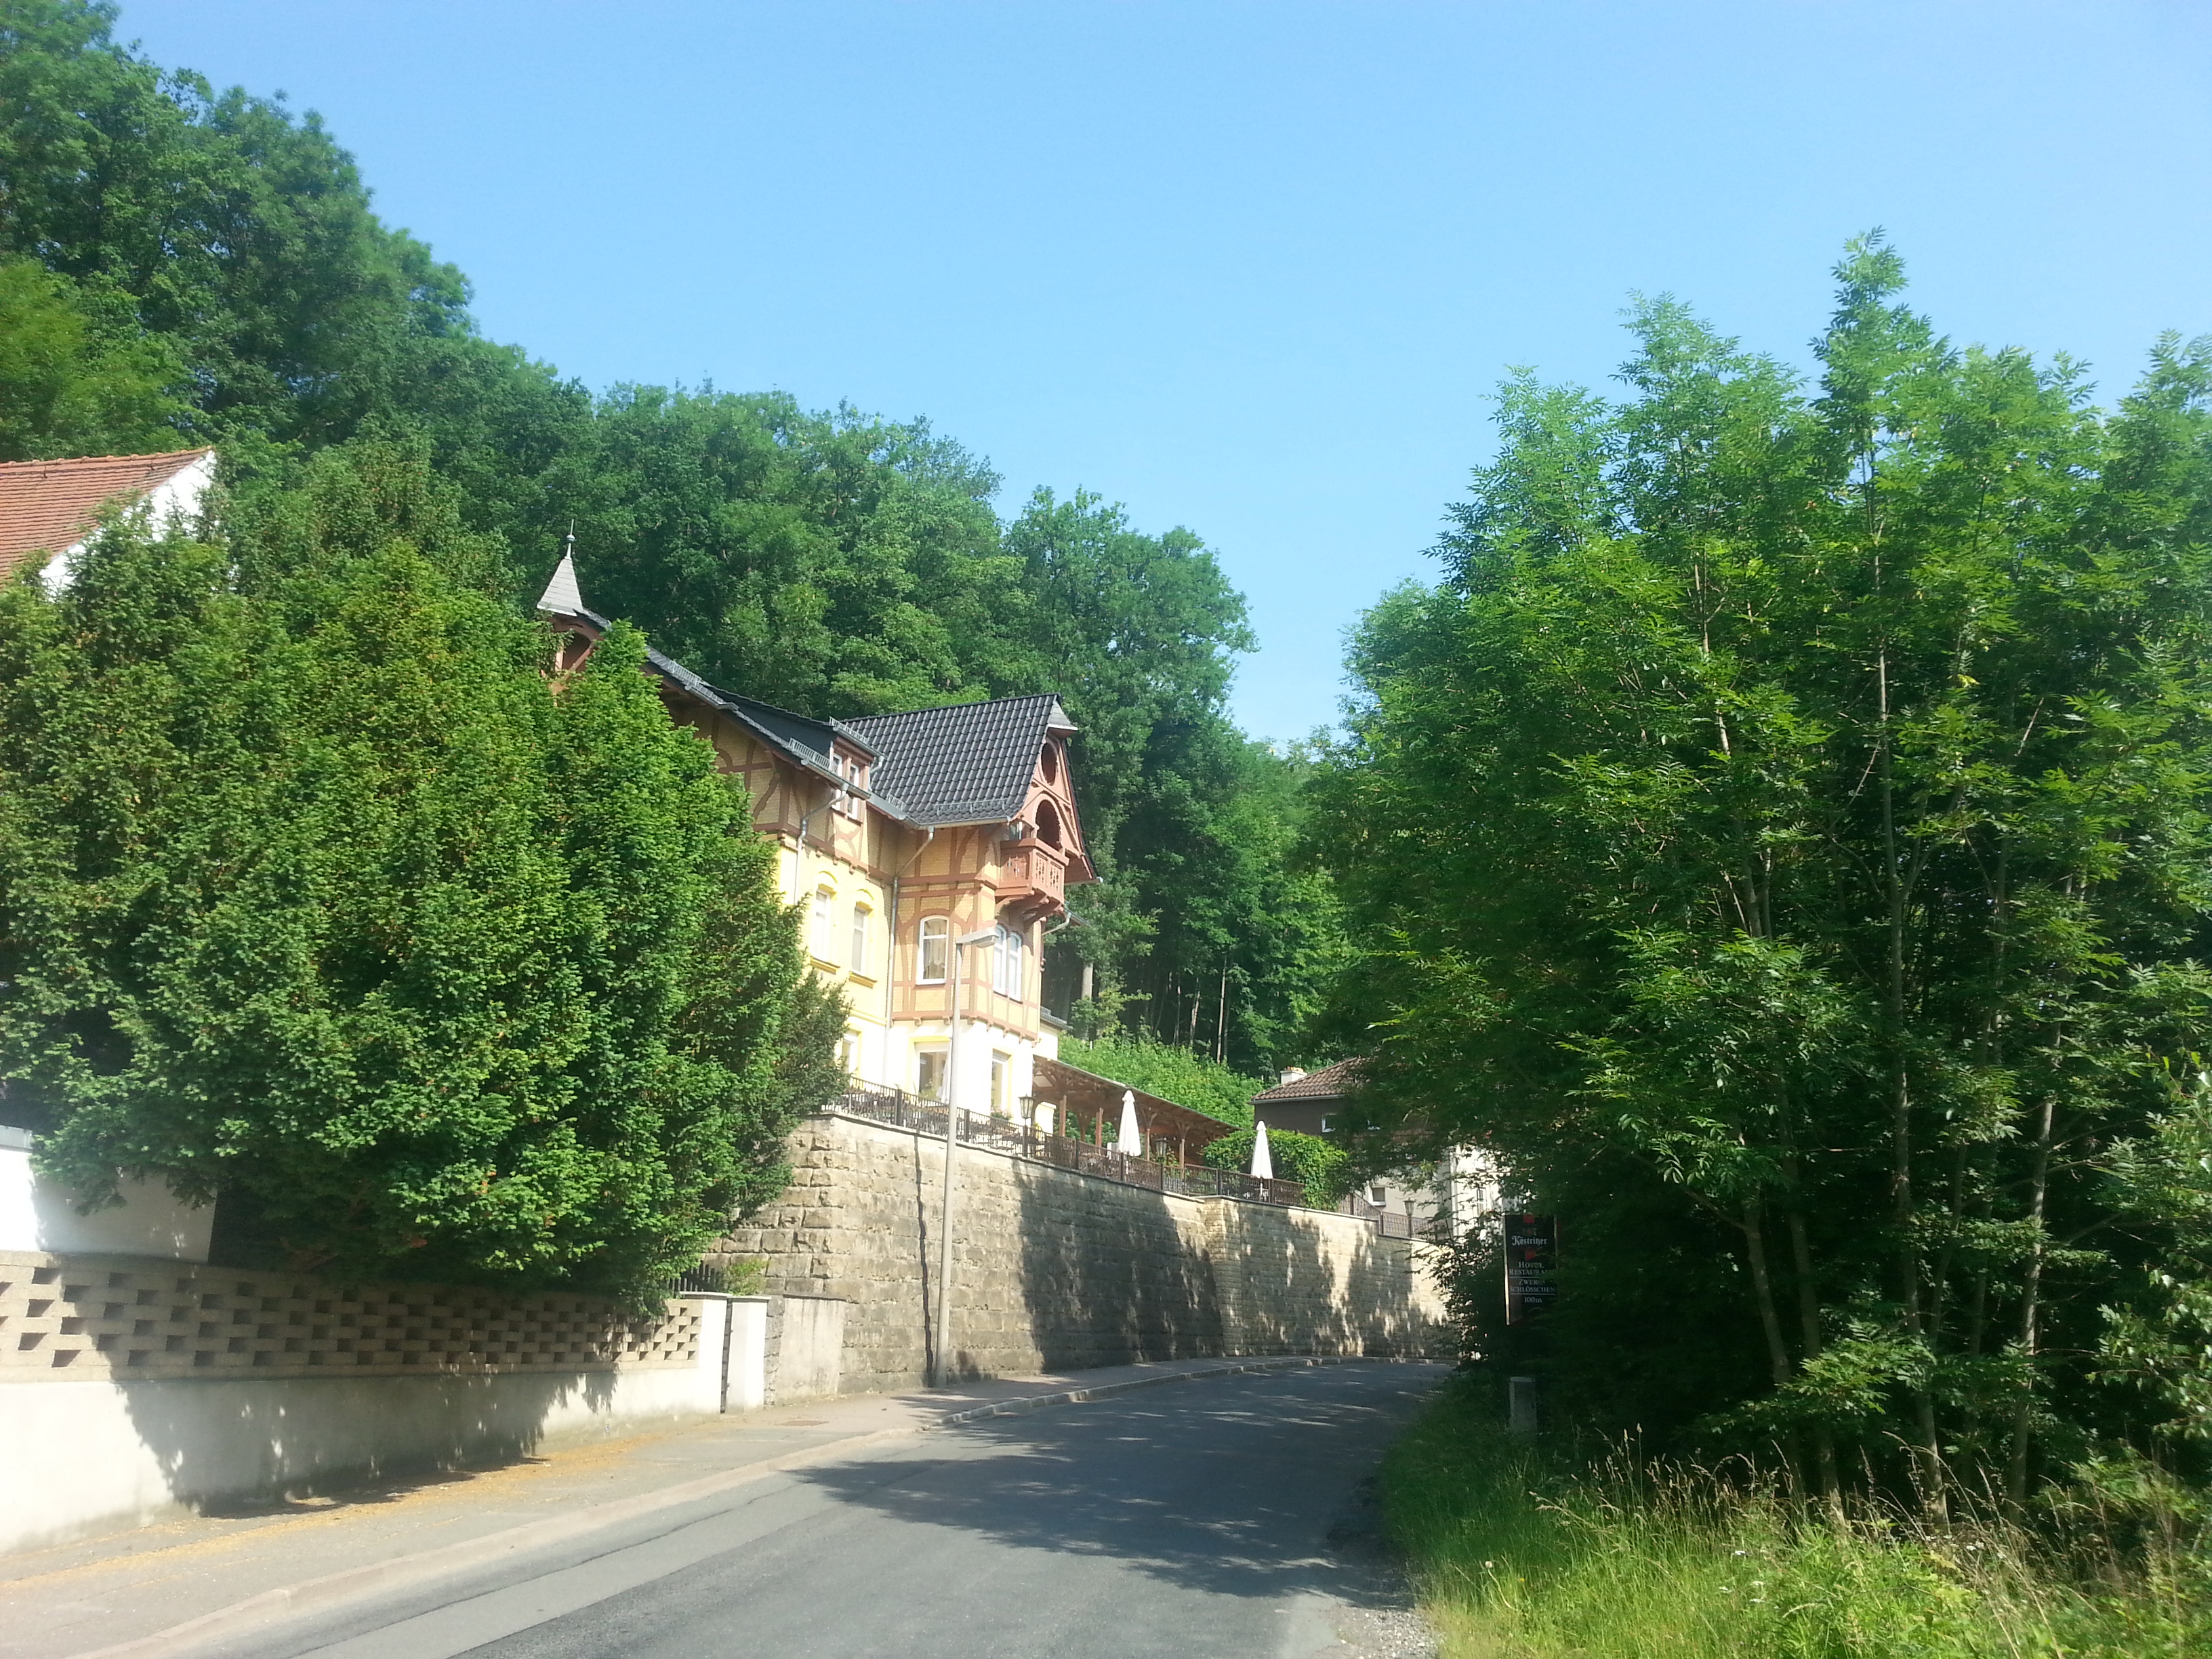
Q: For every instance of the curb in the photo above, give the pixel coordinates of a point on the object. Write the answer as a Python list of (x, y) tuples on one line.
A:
[(270, 1606)]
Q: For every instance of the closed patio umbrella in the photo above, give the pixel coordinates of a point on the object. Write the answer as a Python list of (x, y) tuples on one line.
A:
[(1263, 1161), (1132, 1139)]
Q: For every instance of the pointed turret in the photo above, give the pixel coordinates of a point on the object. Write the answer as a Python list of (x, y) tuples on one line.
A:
[(562, 596)]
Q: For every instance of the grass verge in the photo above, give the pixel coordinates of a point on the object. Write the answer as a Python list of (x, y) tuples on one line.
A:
[(1521, 1553)]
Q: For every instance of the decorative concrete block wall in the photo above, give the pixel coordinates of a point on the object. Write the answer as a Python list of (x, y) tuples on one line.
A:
[(134, 1388), (1054, 1270), (144, 1319)]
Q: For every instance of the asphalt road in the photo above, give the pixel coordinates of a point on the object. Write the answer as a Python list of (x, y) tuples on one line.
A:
[(1220, 1518)]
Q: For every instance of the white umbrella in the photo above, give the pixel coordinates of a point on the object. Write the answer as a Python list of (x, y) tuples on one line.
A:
[(1263, 1161), (1132, 1139)]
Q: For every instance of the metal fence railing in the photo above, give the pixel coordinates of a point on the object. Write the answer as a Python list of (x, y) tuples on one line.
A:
[(905, 1111)]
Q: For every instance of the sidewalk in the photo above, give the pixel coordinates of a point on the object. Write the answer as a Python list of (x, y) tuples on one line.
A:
[(160, 1588)]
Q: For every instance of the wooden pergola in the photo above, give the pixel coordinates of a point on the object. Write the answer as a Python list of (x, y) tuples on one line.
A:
[(1087, 1103)]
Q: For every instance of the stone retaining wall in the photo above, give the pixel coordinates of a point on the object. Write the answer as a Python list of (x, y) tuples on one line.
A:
[(1053, 1270)]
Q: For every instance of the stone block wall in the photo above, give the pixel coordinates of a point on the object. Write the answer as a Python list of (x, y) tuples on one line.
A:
[(1055, 1271)]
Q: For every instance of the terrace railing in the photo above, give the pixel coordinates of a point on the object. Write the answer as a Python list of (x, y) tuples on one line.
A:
[(902, 1111)]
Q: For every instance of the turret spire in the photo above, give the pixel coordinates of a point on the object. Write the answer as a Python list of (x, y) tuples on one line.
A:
[(561, 595)]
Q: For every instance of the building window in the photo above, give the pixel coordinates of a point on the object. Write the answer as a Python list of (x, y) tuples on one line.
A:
[(1052, 762), (934, 947), (1002, 1082), (1048, 820), (848, 1052), (861, 917), (1006, 964), (824, 929), (854, 771), (929, 1073)]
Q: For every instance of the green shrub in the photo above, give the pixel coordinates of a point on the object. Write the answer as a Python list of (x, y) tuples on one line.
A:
[(1319, 1167)]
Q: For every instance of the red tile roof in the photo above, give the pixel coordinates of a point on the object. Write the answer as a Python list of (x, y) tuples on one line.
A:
[(1330, 1083), (47, 505)]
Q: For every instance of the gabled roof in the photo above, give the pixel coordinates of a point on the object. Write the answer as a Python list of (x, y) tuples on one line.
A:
[(47, 507), (797, 736), (1330, 1083), (970, 764)]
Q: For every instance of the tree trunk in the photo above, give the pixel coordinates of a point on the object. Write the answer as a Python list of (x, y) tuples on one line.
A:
[(2031, 1311)]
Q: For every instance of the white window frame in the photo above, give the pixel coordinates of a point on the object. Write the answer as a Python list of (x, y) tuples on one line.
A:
[(853, 771), (824, 943), (863, 919), (922, 1057), (1002, 1082), (933, 931), (1007, 968)]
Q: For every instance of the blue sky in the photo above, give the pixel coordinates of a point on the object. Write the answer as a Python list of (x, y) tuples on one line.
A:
[(1253, 269)]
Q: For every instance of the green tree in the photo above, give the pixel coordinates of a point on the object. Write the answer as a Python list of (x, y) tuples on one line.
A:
[(1784, 833), (69, 386), (318, 896), (827, 564)]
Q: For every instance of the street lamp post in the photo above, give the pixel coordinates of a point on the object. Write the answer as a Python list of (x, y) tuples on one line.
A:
[(943, 1365)]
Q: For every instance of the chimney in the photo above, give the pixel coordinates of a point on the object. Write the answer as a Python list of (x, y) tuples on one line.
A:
[(1291, 1074)]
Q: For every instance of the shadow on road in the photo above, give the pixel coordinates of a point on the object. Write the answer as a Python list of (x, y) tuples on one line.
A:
[(1259, 1487)]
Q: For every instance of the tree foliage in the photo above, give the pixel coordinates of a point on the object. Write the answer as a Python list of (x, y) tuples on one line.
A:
[(318, 896), (1169, 1070), (180, 264), (1319, 1165), (1784, 833)]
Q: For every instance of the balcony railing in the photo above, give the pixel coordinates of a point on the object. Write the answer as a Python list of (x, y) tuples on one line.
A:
[(1002, 1134)]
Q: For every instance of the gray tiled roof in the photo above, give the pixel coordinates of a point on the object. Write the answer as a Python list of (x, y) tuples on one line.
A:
[(800, 737), (970, 764), (1330, 1083)]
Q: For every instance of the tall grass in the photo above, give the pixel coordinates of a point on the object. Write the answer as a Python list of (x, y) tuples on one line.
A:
[(1523, 1553)]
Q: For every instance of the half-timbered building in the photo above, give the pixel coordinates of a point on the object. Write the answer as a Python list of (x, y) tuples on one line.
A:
[(900, 836)]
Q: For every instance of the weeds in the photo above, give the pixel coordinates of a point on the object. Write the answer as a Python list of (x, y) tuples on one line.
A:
[(1523, 1553)]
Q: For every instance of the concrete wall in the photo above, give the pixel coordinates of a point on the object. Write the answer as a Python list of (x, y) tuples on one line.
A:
[(1053, 1270), (77, 1459), (37, 1215), (133, 1388)]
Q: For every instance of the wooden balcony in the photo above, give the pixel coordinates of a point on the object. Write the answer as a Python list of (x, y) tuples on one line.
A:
[(1033, 877)]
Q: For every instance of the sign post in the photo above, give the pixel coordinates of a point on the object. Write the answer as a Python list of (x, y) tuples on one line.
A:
[(1532, 1254)]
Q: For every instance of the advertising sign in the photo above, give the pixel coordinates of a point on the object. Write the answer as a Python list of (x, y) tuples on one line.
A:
[(1532, 1254)]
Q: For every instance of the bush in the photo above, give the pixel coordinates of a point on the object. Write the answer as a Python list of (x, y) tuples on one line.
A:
[(1322, 1169)]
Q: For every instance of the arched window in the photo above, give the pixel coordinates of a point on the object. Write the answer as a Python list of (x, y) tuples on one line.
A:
[(1051, 762), (933, 950), (861, 917), (824, 941), (1047, 823)]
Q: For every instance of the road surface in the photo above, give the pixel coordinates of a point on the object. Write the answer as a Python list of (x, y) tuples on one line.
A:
[(1204, 1519)]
